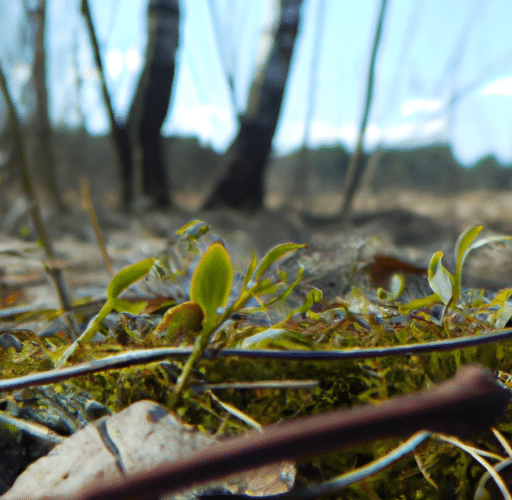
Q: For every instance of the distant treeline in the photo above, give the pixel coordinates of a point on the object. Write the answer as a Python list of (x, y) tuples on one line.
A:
[(192, 166)]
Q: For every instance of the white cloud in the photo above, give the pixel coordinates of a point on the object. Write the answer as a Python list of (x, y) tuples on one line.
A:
[(212, 124), (433, 129), (323, 133), (399, 133), (132, 59), (503, 87), (114, 62), (421, 105)]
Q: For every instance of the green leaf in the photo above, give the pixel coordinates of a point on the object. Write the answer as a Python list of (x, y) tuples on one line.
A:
[(264, 287), (274, 254), (127, 276), (499, 300), (396, 288), (439, 278), (250, 270), (194, 229), (122, 280), (314, 295), (288, 290), (420, 303), (121, 305), (397, 285), (488, 240), (464, 246), (211, 282), (384, 295), (185, 316), (501, 317)]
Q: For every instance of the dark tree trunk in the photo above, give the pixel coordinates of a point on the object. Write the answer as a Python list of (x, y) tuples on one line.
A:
[(153, 98), (242, 186), (138, 140)]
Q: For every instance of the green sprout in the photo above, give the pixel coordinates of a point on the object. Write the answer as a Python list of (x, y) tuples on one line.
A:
[(210, 288), (396, 288), (122, 280), (445, 285)]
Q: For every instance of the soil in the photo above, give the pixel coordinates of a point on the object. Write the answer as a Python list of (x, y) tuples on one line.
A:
[(409, 225)]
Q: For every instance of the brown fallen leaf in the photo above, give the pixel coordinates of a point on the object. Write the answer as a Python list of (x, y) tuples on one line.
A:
[(384, 266), (141, 437)]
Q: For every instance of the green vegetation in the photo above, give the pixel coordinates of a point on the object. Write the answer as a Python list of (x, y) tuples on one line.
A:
[(122, 280), (258, 308), (447, 286), (210, 288)]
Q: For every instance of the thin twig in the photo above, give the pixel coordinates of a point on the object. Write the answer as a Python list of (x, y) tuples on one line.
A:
[(477, 455), (501, 438), (258, 384), (26, 179), (235, 412), (355, 168), (54, 272), (335, 485), (85, 192), (152, 355)]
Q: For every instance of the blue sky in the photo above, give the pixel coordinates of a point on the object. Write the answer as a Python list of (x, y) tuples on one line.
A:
[(444, 72)]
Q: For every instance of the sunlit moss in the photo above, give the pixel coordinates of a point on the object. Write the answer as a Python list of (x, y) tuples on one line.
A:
[(358, 320)]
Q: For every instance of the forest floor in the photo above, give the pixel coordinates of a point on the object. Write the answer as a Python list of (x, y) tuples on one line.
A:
[(406, 225)]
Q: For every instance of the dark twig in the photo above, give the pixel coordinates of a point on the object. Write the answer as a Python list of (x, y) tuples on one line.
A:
[(151, 355), (470, 401), (26, 179), (85, 192), (119, 133), (356, 166), (53, 271)]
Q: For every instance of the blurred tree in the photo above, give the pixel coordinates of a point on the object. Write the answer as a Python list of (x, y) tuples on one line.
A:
[(118, 131), (41, 152), (244, 162), (153, 98), (138, 141)]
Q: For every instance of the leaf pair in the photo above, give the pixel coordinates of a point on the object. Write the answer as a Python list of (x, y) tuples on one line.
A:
[(210, 288)]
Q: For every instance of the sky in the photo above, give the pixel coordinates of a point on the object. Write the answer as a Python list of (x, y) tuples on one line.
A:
[(443, 74)]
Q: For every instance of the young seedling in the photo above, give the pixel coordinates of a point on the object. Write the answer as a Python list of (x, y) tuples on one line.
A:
[(445, 285), (122, 280), (210, 287)]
